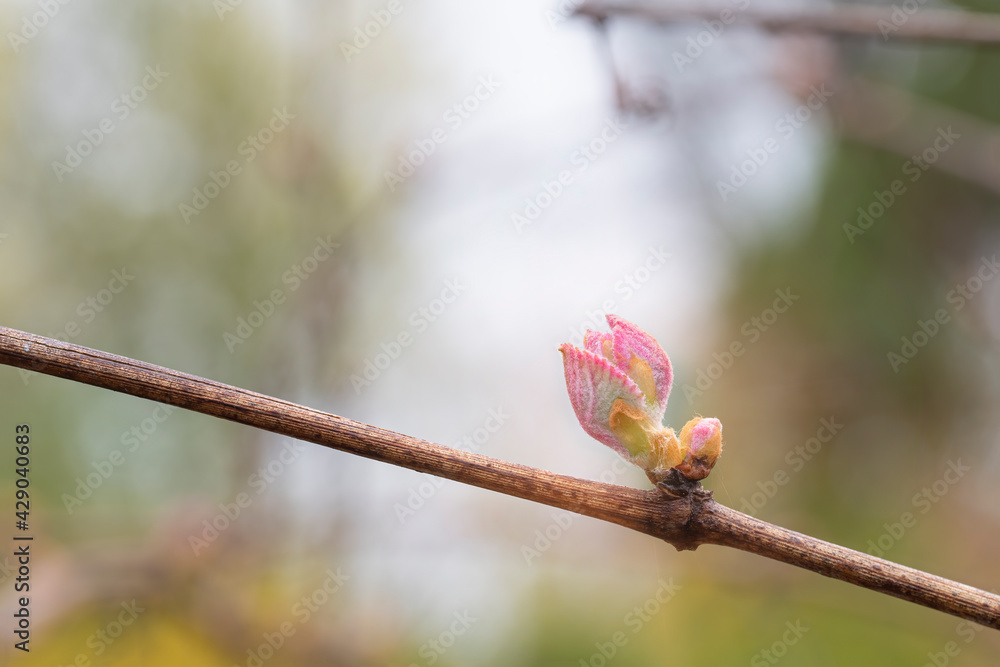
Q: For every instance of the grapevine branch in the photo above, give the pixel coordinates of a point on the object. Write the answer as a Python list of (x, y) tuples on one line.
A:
[(686, 522)]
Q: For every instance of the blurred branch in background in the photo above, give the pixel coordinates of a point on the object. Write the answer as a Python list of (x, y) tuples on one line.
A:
[(648, 101), (842, 20), (895, 120), (686, 522)]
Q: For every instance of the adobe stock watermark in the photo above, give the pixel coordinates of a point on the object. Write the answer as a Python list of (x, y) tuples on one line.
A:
[(411, 160), (751, 330), (101, 640), (779, 648), (88, 310), (248, 149), (301, 612), (419, 321), (420, 495), (923, 500), (33, 23), (796, 459), (634, 621), (258, 481), (432, 649), (900, 14), (581, 159), (562, 521), (564, 9), (95, 304), (223, 7), (913, 168), (292, 279), (699, 43), (371, 29), (629, 284), (967, 631), (785, 128), (131, 440), (121, 108), (956, 299)]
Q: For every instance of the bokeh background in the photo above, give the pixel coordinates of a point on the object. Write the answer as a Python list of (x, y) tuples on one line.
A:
[(544, 169)]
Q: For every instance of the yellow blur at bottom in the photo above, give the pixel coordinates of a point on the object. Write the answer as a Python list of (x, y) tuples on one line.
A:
[(151, 639)]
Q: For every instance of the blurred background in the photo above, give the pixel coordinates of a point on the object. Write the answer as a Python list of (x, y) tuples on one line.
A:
[(396, 211)]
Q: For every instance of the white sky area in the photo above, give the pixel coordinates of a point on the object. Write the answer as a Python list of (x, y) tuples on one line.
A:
[(495, 347)]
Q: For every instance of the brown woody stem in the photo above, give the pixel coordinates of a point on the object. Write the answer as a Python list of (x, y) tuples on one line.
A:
[(687, 521)]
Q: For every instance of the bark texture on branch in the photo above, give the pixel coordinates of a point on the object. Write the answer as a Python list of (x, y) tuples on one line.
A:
[(685, 522)]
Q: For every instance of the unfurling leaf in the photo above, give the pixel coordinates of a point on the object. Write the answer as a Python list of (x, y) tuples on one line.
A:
[(619, 385)]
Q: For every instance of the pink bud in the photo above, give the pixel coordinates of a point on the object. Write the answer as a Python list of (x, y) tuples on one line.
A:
[(619, 386), (640, 357)]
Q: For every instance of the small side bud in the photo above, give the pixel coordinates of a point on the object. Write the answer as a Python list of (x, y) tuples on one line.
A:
[(701, 440)]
